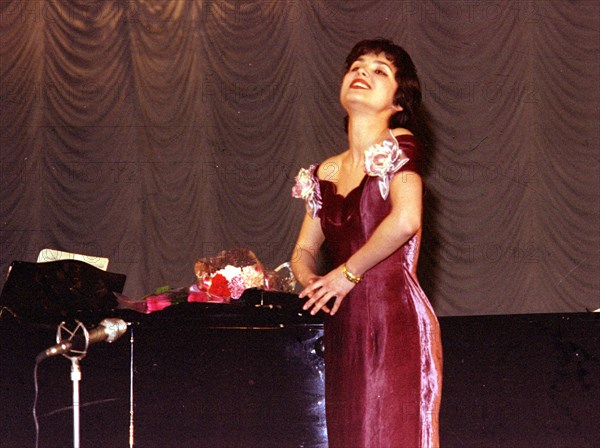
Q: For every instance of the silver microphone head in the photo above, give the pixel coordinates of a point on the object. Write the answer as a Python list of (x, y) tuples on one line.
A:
[(115, 328)]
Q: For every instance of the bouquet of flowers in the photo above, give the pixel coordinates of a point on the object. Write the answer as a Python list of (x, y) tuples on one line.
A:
[(230, 273), (219, 279)]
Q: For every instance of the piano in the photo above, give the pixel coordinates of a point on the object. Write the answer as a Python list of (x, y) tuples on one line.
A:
[(251, 373)]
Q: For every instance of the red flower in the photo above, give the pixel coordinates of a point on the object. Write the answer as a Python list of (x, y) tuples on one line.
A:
[(218, 286)]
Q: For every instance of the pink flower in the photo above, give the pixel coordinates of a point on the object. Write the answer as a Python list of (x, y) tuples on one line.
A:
[(383, 160), (305, 184), (157, 303), (307, 188), (237, 287)]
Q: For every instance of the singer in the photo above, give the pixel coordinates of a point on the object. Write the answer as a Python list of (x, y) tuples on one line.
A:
[(382, 339)]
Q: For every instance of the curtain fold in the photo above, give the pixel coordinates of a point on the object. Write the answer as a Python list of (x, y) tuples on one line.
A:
[(154, 132)]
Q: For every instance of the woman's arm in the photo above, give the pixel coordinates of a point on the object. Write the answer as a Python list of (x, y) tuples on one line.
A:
[(397, 228), (403, 221), (304, 258)]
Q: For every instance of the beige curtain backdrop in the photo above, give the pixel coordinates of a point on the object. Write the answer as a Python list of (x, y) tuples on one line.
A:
[(155, 132)]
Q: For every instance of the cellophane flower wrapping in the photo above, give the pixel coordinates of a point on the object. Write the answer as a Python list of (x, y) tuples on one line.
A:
[(229, 273), (219, 279)]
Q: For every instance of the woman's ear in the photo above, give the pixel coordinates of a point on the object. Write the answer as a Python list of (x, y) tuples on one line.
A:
[(397, 108)]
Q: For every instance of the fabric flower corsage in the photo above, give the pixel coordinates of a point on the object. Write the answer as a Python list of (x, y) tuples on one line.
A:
[(307, 188), (383, 160)]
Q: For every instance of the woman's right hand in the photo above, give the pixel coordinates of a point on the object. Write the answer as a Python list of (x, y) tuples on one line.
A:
[(304, 294), (321, 290)]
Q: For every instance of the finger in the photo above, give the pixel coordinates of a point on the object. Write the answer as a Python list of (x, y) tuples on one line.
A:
[(305, 292), (336, 305), (326, 307), (320, 303), (308, 304), (312, 300), (312, 286), (313, 296)]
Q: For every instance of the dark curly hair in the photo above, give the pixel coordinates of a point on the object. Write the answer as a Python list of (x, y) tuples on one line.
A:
[(408, 94)]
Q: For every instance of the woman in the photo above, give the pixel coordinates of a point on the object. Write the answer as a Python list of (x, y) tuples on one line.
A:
[(382, 340)]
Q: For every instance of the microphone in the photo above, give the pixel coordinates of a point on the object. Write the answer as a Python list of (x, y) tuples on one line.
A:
[(108, 330)]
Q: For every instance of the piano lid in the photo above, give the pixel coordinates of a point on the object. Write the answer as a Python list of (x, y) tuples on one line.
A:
[(54, 291)]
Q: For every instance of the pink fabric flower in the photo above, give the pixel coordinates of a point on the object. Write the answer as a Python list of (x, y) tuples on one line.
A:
[(383, 160), (307, 188)]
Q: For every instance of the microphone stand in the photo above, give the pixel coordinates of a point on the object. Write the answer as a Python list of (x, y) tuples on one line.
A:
[(75, 378), (75, 357)]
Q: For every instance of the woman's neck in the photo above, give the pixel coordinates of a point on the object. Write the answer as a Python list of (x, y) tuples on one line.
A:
[(364, 132)]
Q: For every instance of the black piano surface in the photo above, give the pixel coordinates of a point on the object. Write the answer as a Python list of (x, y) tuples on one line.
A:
[(247, 374), (251, 375)]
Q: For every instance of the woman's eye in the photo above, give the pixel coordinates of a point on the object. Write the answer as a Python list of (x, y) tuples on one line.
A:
[(380, 72), (353, 69)]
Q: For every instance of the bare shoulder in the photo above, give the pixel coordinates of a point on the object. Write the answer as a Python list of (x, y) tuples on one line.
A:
[(330, 168), (401, 131)]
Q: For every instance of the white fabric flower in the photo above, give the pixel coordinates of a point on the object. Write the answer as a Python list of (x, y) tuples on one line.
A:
[(383, 160), (307, 188)]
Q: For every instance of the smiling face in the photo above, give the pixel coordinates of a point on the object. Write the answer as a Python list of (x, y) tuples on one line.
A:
[(370, 85), (408, 90)]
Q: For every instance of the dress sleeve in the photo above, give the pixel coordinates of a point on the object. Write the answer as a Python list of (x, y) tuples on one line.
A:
[(413, 150)]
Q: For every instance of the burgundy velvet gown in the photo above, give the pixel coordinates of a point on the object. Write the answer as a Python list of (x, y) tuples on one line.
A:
[(383, 355)]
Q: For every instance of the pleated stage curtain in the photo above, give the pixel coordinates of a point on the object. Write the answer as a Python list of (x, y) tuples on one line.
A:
[(156, 132)]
